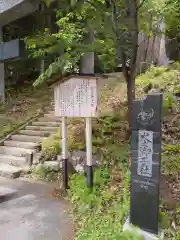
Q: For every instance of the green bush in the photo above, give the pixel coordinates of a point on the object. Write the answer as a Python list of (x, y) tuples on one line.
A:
[(172, 149), (159, 77), (171, 160), (165, 79), (101, 213), (169, 102), (51, 146)]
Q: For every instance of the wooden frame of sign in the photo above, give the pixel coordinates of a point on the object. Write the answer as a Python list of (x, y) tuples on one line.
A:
[(77, 96)]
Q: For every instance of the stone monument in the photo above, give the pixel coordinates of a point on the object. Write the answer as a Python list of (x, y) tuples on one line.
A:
[(145, 170)]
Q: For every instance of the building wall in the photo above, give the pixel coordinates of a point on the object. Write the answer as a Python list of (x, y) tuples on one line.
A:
[(10, 10)]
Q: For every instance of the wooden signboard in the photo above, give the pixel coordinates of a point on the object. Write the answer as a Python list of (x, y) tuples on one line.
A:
[(76, 97)]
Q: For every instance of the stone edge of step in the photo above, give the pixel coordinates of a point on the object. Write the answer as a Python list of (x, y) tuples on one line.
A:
[(27, 145), (40, 133), (14, 138), (5, 171), (15, 161)]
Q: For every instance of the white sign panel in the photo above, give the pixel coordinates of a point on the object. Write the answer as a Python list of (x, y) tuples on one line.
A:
[(76, 97), (145, 152)]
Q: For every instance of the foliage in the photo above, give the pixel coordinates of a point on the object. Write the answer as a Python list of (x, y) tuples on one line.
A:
[(115, 26), (66, 45), (170, 233), (150, 16), (101, 213), (172, 149), (172, 18), (22, 105), (170, 165), (51, 147), (164, 79), (172, 14), (41, 171), (171, 160), (107, 19), (104, 126), (107, 205)]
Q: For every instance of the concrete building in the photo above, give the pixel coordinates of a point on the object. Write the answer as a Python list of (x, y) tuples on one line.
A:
[(10, 11)]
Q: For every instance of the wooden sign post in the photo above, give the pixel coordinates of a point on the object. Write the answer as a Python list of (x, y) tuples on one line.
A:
[(77, 96), (146, 162), (89, 152), (64, 152)]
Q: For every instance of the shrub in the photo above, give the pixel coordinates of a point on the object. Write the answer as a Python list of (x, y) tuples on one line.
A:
[(51, 147), (166, 79)]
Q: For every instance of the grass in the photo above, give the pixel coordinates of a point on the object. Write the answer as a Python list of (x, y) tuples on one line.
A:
[(21, 106), (165, 79), (101, 214)]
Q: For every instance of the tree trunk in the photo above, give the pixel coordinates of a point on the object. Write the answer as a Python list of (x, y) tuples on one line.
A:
[(129, 10), (42, 16), (2, 74), (130, 98), (87, 60)]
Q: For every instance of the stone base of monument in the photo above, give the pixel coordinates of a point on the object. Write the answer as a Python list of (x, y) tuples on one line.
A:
[(146, 235)]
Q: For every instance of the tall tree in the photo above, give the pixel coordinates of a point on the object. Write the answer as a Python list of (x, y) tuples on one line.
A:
[(172, 19), (125, 20), (116, 23)]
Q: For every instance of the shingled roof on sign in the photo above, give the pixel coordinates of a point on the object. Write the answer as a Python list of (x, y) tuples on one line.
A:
[(67, 77)]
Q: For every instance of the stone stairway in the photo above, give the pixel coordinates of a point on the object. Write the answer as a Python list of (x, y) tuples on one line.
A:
[(19, 151)]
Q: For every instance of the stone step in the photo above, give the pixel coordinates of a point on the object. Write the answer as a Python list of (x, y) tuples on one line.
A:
[(9, 171), (15, 161), (49, 118), (14, 151), (28, 145), (44, 128), (35, 133), (51, 114), (50, 124), (26, 138), (6, 191)]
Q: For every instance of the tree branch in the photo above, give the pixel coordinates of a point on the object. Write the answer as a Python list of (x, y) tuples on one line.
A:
[(92, 4), (141, 4)]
